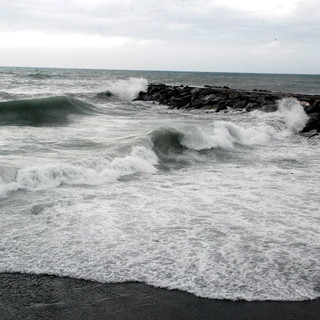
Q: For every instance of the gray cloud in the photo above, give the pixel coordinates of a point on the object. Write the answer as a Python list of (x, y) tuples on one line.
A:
[(192, 25)]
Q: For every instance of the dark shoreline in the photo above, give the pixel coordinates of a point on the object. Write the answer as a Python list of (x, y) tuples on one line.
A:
[(30, 297)]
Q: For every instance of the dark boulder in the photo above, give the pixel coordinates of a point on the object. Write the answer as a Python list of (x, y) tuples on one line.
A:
[(269, 107), (240, 105), (233, 95), (104, 95), (252, 106), (313, 123), (312, 108)]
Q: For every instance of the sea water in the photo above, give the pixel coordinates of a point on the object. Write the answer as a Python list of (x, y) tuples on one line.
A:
[(222, 205)]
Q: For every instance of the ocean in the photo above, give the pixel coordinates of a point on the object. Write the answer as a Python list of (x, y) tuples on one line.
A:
[(221, 205)]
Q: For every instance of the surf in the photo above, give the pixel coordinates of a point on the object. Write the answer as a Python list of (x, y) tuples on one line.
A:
[(289, 119), (42, 112), (220, 204), (83, 172)]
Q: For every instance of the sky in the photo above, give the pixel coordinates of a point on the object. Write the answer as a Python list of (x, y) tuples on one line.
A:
[(268, 36)]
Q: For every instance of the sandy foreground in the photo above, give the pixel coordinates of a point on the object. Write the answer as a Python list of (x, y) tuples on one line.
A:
[(30, 297)]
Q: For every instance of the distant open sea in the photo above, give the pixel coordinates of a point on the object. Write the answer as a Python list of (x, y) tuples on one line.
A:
[(222, 205)]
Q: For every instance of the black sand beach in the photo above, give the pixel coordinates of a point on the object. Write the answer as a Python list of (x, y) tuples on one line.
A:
[(30, 297)]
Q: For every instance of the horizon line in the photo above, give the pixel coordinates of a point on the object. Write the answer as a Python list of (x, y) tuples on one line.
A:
[(156, 70)]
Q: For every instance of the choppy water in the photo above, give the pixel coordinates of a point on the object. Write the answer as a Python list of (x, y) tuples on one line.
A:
[(220, 205)]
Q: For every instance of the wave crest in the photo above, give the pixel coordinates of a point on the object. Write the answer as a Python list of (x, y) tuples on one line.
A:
[(170, 141), (140, 160), (167, 141), (45, 111), (289, 119)]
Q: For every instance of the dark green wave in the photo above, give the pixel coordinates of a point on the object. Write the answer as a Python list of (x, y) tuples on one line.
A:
[(42, 112), (167, 141)]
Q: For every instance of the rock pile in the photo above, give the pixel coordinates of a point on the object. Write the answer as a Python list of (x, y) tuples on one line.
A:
[(224, 98)]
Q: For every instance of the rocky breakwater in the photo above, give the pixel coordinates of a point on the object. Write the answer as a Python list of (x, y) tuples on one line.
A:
[(223, 99)]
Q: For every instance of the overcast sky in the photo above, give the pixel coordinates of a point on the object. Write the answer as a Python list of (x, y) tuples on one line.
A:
[(278, 36)]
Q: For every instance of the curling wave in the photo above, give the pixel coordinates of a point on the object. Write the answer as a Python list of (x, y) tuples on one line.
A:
[(40, 112), (289, 119)]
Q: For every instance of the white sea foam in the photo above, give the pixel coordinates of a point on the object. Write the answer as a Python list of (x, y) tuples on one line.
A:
[(227, 233), (235, 223), (290, 118), (293, 114), (7, 174), (226, 135), (53, 175), (128, 89)]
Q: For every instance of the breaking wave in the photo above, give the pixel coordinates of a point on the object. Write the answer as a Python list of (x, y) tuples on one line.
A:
[(289, 119), (292, 114), (101, 171), (126, 89), (40, 112)]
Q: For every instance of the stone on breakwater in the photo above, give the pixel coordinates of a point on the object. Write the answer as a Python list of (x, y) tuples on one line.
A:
[(223, 98)]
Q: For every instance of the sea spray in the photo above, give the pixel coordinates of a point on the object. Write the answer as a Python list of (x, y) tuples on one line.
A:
[(289, 119), (128, 89), (292, 114)]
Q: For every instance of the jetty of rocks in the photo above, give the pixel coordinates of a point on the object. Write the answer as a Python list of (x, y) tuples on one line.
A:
[(223, 99)]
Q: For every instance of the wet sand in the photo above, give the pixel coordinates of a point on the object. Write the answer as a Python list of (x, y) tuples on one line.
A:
[(30, 297)]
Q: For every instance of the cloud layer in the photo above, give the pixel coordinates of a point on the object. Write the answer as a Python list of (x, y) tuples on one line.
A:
[(216, 35)]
